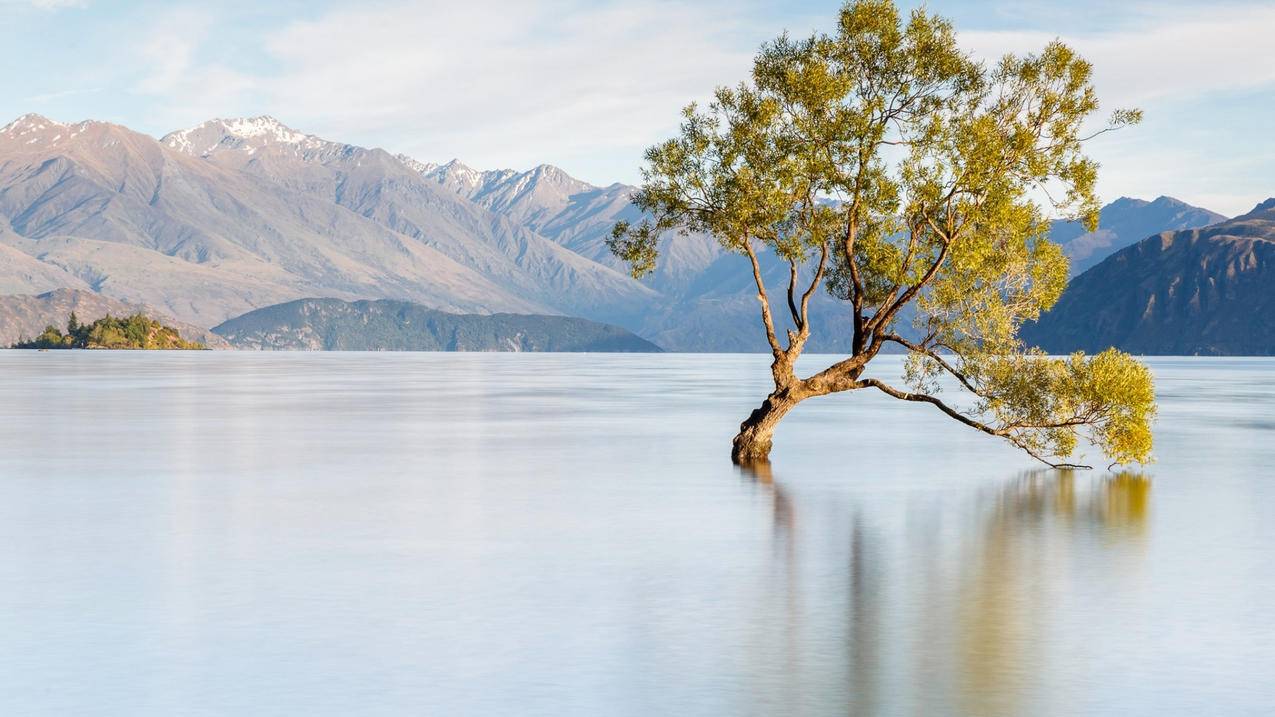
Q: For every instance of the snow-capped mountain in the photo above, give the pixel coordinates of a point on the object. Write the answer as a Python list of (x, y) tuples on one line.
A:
[(248, 135), (574, 213), (205, 229), (458, 177), (415, 166)]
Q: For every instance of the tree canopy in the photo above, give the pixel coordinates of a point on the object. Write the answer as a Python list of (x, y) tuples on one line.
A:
[(133, 332), (885, 164)]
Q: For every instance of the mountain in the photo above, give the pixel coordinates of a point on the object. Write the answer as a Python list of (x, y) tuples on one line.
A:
[(335, 325), (232, 215), (379, 187), (1124, 222), (139, 221), (709, 298), (237, 214), (575, 214), (25, 317), (1208, 291), (707, 301)]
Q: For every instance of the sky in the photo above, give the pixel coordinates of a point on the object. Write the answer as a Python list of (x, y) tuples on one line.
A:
[(587, 85)]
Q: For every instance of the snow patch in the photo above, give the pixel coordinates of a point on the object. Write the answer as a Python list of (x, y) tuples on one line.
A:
[(248, 133), (29, 124)]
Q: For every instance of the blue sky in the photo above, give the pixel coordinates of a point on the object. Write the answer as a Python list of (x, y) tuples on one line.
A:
[(588, 85)]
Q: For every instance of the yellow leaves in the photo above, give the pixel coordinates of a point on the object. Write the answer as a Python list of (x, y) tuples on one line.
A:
[(1125, 390), (636, 246), (1046, 405)]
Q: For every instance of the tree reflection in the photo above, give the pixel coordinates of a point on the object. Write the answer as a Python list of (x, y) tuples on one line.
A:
[(1016, 571), (958, 617)]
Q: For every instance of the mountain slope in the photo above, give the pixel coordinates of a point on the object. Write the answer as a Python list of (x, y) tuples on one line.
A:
[(334, 325), (379, 187), (1124, 222), (1207, 291), (139, 221), (24, 317), (576, 215), (236, 214)]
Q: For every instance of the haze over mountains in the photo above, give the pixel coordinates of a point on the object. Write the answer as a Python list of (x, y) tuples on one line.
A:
[(233, 215)]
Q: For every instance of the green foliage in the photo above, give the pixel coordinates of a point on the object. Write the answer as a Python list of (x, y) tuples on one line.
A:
[(893, 168), (133, 332), (50, 338)]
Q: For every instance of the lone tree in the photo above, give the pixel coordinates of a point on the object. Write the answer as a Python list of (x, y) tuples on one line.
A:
[(885, 164)]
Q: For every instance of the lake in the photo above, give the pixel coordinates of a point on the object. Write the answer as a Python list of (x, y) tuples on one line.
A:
[(538, 534)]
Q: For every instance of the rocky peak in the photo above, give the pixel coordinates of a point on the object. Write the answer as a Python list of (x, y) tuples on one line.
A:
[(556, 177), (37, 133), (458, 177), (1264, 210), (415, 165), (29, 123)]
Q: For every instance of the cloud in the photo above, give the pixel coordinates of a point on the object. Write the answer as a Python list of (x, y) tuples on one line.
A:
[(177, 69), (589, 85), (168, 51), (59, 95), (1186, 67), (47, 4), (1191, 53), (508, 83)]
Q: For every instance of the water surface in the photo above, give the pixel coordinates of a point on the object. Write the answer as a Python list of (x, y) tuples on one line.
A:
[(473, 534)]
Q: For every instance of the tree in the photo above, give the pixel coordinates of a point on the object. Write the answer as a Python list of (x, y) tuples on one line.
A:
[(883, 163)]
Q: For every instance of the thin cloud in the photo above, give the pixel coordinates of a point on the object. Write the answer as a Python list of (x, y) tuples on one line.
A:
[(1190, 54), (495, 83), (47, 4), (589, 85), (62, 94)]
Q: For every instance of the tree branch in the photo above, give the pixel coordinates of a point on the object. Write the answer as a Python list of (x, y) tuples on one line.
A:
[(814, 284), (856, 283), (960, 376), (882, 318), (792, 302), (953, 413), (763, 298)]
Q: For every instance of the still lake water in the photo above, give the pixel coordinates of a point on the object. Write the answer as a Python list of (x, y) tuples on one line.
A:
[(534, 534)]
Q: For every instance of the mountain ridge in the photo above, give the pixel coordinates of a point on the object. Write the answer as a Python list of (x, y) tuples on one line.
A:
[(1204, 291)]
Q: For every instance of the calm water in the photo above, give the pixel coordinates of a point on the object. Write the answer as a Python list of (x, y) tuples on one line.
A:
[(466, 534)]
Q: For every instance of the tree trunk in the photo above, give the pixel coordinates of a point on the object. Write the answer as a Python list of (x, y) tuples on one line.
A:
[(752, 445)]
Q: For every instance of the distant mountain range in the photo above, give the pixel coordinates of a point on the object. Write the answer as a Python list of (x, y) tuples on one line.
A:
[(1207, 291), (233, 215), (335, 325), (1124, 222)]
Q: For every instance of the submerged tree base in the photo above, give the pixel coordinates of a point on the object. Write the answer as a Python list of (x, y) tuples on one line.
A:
[(757, 432)]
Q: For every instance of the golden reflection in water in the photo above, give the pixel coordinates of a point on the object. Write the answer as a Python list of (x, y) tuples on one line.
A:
[(787, 600), (975, 613), (1004, 600)]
